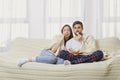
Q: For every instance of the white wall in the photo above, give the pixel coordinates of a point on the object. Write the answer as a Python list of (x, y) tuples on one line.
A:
[(36, 17), (90, 17)]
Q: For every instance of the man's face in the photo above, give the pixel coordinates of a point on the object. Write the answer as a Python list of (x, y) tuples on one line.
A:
[(77, 29)]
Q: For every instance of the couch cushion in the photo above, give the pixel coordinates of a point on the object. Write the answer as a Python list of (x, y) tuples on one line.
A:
[(32, 47), (28, 47), (111, 44)]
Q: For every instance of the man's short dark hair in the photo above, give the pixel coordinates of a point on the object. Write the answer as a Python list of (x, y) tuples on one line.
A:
[(77, 22)]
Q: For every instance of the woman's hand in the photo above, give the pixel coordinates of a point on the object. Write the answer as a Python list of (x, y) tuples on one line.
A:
[(61, 38)]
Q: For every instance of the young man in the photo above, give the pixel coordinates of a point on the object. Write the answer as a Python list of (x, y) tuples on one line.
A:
[(81, 48)]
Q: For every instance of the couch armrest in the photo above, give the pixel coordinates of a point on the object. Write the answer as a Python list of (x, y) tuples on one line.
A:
[(113, 72)]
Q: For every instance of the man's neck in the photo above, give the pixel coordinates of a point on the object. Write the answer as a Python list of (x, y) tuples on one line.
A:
[(78, 39)]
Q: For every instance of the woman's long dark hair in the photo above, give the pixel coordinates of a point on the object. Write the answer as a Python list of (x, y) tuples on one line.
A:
[(71, 34)]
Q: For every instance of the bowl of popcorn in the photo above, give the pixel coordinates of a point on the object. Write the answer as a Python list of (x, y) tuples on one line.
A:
[(75, 51)]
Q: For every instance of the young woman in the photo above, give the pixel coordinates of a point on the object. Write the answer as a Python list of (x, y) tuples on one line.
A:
[(50, 55)]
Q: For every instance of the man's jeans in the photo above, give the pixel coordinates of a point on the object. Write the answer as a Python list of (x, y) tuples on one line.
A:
[(48, 57), (76, 59)]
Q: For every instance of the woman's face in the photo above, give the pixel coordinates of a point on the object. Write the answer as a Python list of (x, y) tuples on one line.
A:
[(66, 32)]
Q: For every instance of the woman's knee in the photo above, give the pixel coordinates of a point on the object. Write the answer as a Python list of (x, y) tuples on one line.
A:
[(46, 53), (43, 52)]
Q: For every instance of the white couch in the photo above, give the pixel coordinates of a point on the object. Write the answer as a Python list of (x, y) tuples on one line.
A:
[(21, 47)]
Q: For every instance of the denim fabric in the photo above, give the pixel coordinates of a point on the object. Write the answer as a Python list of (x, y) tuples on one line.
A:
[(60, 60), (48, 57)]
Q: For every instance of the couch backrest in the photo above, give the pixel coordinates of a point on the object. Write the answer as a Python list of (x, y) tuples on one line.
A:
[(111, 44), (32, 47), (28, 47)]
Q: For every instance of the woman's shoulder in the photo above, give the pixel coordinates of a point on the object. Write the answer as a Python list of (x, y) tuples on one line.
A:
[(70, 40)]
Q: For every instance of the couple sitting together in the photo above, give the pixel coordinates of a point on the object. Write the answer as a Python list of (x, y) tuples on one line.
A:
[(68, 49)]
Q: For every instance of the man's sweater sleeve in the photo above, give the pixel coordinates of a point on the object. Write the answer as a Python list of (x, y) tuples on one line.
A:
[(90, 44)]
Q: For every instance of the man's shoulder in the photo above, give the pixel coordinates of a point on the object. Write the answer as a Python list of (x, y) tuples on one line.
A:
[(87, 36)]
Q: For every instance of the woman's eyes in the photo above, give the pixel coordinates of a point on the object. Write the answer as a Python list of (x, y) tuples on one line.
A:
[(66, 30)]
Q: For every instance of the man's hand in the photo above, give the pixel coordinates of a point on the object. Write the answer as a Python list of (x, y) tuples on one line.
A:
[(79, 37)]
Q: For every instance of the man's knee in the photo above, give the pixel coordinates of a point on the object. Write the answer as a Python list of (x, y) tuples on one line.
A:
[(98, 51), (98, 54), (62, 52)]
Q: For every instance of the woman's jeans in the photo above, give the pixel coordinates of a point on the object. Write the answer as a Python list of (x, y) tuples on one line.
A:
[(48, 57)]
